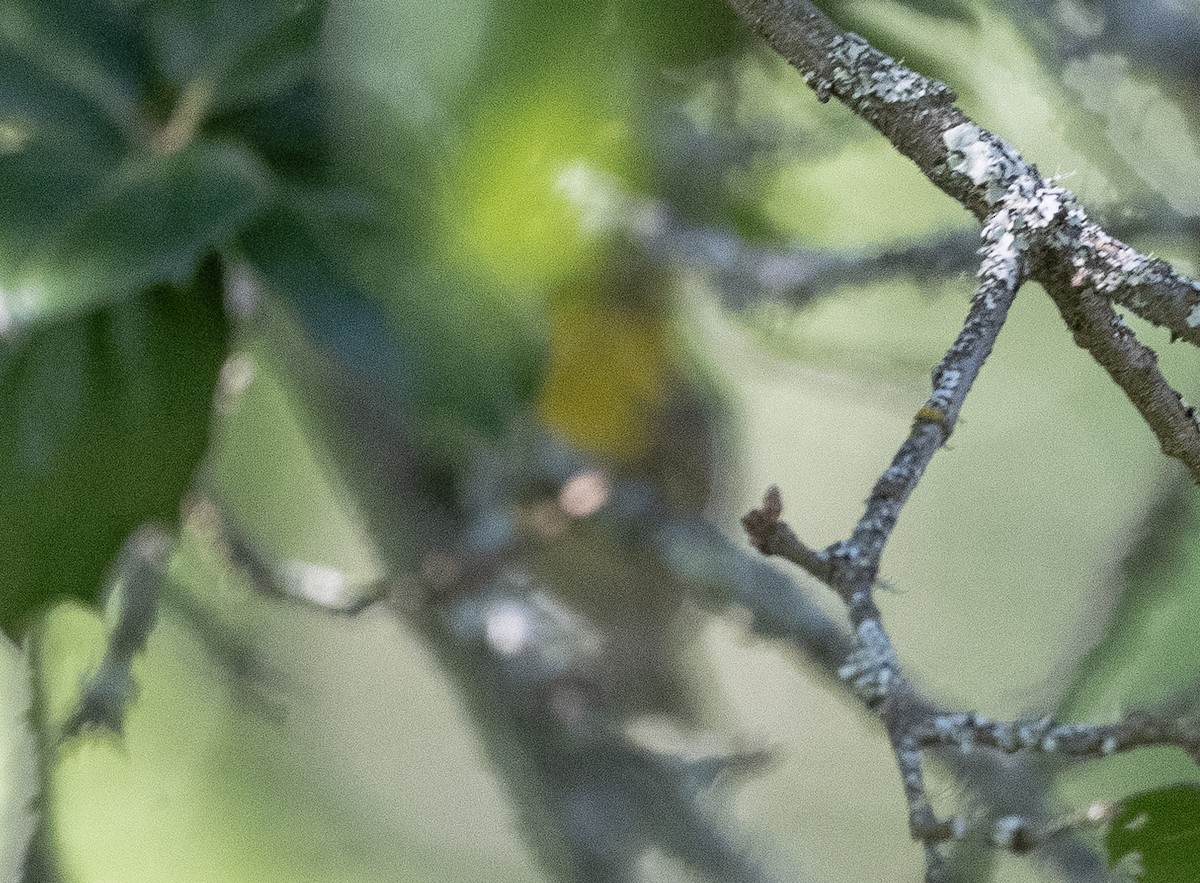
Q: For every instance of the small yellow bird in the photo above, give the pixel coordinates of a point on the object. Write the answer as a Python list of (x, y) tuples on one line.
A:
[(617, 390), (617, 384)]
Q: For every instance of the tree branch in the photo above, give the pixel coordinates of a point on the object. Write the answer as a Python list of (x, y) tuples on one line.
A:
[(1075, 259), (1133, 366), (965, 731), (1035, 229), (135, 576), (850, 567)]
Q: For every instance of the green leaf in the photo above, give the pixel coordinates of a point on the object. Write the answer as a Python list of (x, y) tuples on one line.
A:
[(1163, 828), (43, 185), (103, 420), (335, 310), (289, 130), (33, 102), (56, 146), (152, 221), (1147, 654), (245, 50), (90, 47)]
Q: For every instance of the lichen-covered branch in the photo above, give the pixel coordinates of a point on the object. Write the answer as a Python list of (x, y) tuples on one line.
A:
[(135, 578), (1032, 229), (968, 163), (1001, 273), (1073, 257), (1133, 366), (850, 567), (915, 725), (965, 731)]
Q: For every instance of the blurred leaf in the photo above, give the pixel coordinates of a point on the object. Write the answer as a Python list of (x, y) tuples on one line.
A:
[(244, 50), (33, 102), (56, 143), (42, 185), (334, 309), (103, 419), (428, 340), (289, 130), (153, 221), (1163, 827), (683, 32), (1146, 655), (88, 46)]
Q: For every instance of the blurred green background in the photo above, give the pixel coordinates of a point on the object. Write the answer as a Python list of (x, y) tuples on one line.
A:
[(448, 211)]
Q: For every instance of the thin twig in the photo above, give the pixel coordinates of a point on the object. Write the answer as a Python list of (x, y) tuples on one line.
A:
[(1134, 368), (850, 567), (966, 731), (1075, 259), (136, 577), (1031, 227)]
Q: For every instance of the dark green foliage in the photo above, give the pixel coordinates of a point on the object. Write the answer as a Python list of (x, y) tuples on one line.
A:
[(44, 184), (332, 306), (1163, 827), (156, 218), (102, 420), (244, 51), (113, 199), (138, 141), (287, 130), (89, 47)]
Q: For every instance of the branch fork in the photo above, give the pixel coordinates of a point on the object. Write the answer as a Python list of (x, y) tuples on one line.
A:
[(1031, 229)]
